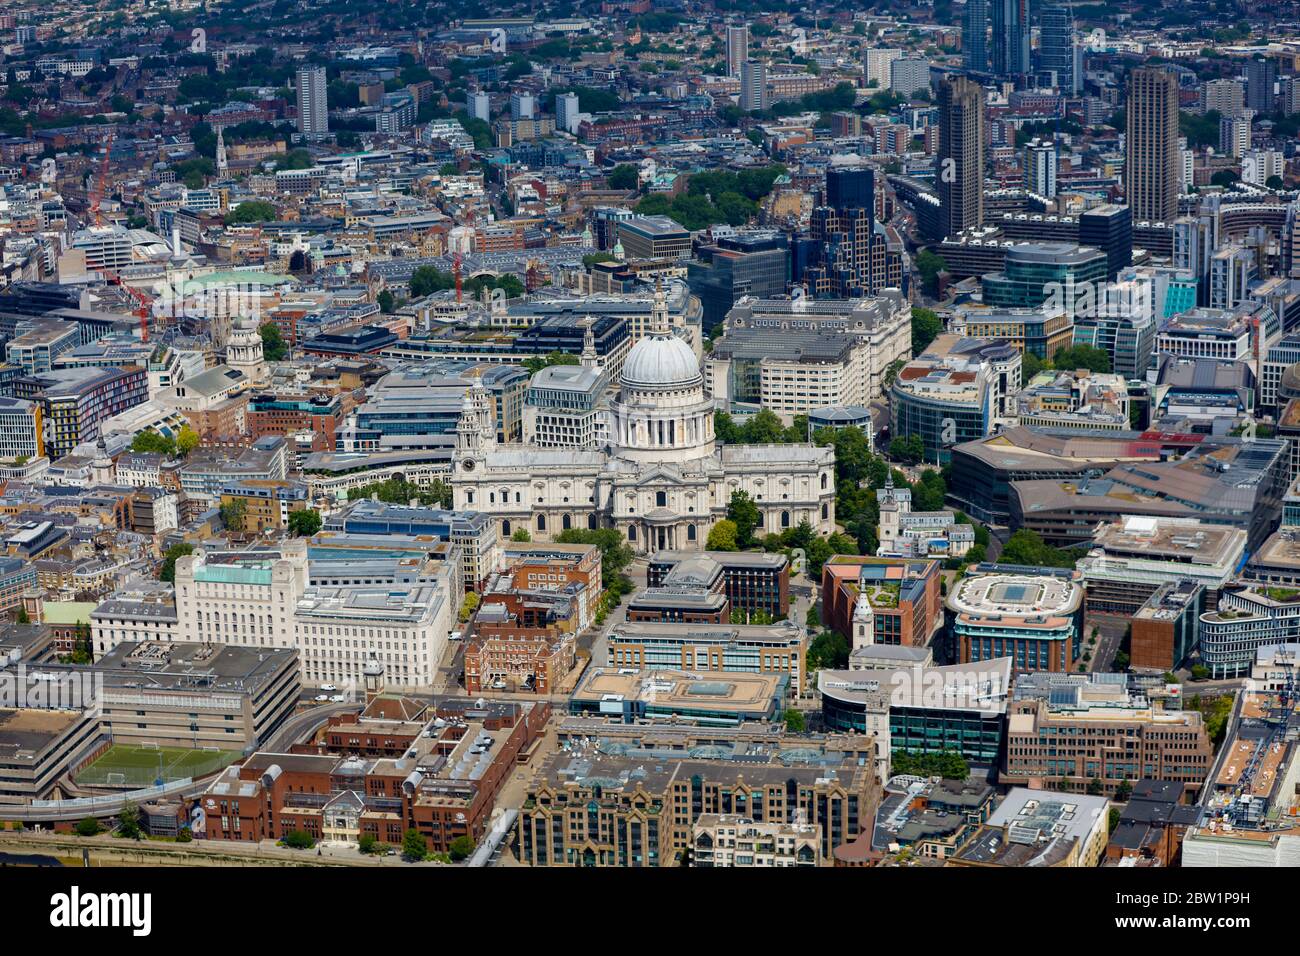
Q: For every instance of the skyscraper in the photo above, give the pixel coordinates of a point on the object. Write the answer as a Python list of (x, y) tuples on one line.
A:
[(851, 187), (1151, 163), (313, 107), (1010, 22), (479, 106), (975, 36), (737, 49), (566, 112), (856, 255), (1109, 228), (959, 162), (875, 66), (1040, 168), (1057, 47), (753, 86), (1261, 76)]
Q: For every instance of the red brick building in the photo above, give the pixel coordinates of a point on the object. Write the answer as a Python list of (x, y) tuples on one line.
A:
[(907, 607), (445, 791)]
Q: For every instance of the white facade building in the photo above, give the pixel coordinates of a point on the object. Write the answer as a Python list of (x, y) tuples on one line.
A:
[(663, 481)]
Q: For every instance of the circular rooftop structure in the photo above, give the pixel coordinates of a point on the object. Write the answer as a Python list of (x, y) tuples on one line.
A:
[(1289, 386), (661, 361), (1016, 596)]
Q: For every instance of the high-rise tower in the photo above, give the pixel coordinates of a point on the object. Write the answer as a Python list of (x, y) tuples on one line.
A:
[(1151, 142), (959, 167)]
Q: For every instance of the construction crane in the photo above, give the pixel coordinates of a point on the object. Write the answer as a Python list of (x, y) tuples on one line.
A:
[(143, 304), (97, 193)]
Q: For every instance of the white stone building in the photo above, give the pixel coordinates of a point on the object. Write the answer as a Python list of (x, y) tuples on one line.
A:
[(663, 481), (263, 599)]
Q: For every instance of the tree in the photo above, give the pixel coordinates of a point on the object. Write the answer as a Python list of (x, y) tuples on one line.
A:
[(949, 764), (744, 513), (828, 650), (623, 176), (1027, 548), (298, 840), (536, 363), (1031, 365), (88, 827), (908, 448), (413, 846), (187, 439), (151, 442), (251, 210), (82, 650), (24, 618), (926, 325), (168, 572), (273, 346), (304, 523), (722, 536), (128, 822), (1096, 788), (1200, 672), (891, 373), (427, 280), (469, 606), (929, 265), (521, 534), (929, 492), (387, 302), (232, 514), (460, 848), (400, 491), (367, 844), (795, 722), (1123, 791), (1082, 356)]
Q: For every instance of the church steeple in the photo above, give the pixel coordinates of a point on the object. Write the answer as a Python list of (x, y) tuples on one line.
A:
[(589, 357), (659, 313), (475, 427), (222, 165)]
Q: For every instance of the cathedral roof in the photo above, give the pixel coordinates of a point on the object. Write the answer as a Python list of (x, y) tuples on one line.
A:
[(661, 360)]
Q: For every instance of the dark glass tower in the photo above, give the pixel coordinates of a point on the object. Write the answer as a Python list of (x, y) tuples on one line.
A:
[(1010, 21), (1056, 50), (851, 189), (975, 36)]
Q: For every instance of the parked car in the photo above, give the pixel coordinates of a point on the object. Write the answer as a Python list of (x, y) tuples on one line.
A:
[(337, 698), (321, 698), (328, 687)]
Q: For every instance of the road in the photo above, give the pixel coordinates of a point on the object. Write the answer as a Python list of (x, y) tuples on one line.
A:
[(297, 726), (1110, 635)]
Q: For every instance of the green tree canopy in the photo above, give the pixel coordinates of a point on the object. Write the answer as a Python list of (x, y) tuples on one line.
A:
[(722, 536), (926, 325), (744, 514), (168, 572), (623, 176), (252, 210), (273, 345), (304, 523)]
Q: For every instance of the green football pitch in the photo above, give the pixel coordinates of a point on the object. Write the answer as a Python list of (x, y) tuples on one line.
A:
[(141, 766)]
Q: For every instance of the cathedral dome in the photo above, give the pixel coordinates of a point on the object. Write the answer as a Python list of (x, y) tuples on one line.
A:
[(661, 361)]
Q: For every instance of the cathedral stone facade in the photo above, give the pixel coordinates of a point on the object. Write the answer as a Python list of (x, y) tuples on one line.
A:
[(662, 481)]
